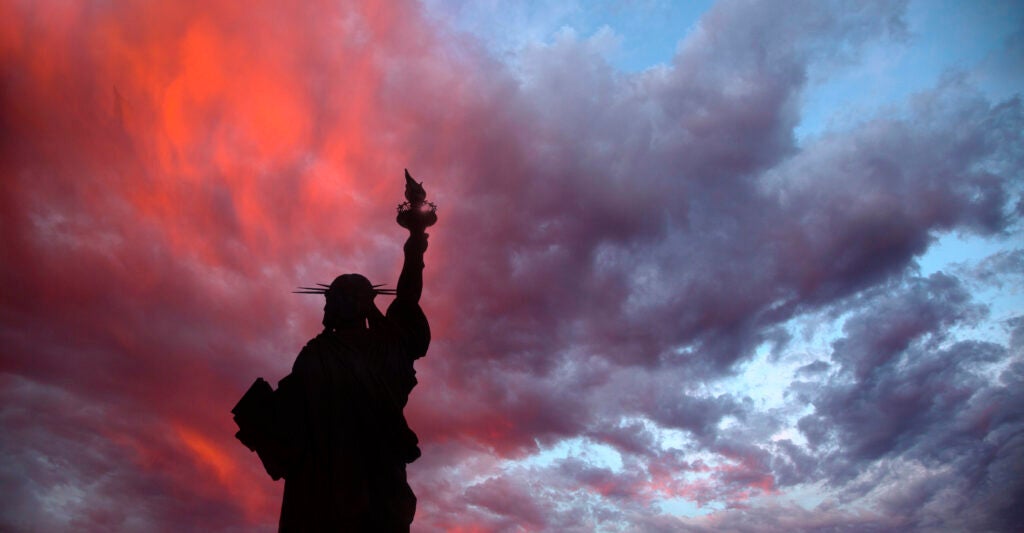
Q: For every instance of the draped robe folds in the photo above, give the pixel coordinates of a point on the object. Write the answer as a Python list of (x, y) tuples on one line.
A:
[(340, 417)]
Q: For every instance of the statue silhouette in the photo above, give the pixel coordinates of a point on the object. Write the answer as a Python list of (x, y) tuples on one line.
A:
[(334, 428)]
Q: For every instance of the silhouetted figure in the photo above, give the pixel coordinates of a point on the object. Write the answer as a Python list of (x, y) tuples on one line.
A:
[(334, 429)]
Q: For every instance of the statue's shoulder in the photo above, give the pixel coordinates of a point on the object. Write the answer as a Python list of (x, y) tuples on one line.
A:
[(319, 342), (312, 351)]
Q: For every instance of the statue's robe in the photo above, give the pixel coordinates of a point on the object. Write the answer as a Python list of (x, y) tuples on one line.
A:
[(346, 439)]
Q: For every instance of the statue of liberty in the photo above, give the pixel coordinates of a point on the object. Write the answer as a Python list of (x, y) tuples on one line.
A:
[(334, 428)]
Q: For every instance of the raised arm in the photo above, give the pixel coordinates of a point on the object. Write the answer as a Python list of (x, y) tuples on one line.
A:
[(410, 282), (416, 215)]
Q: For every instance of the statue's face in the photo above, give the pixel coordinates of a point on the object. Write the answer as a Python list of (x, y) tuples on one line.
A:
[(348, 300), (340, 308)]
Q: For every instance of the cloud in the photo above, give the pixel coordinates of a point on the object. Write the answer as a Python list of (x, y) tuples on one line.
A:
[(998, 270), (610, 248), (907, 399)]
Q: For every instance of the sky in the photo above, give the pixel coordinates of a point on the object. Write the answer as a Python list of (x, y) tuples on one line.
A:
[(699, 266)]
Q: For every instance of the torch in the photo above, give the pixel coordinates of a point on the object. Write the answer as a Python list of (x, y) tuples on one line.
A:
[(416, 214)]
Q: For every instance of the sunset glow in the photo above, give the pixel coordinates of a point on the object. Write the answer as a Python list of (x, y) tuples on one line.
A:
[(720, 266)]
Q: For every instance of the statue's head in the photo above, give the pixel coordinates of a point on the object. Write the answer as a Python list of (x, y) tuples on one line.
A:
[(349, 298)]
